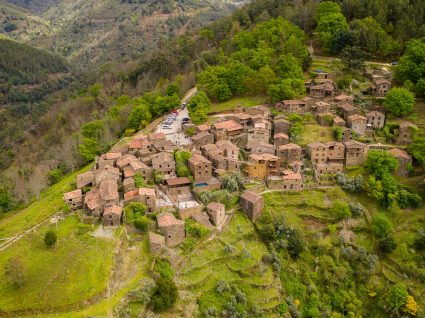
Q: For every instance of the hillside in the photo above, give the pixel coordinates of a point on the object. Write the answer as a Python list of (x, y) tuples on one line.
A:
[(27, 76), (36, 6), (98, 32), (20, 24)]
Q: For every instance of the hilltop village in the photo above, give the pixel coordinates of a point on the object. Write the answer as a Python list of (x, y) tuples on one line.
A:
[(250, 143)]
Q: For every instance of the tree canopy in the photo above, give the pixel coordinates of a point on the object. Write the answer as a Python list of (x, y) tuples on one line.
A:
[(399, 101)]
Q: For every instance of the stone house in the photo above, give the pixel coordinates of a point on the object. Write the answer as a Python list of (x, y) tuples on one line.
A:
[(164, 163), (357, 123), (280, 139), (200, 167), (288, 181), (107, 172), (216, 212), (252, 204), (321, 107), (156, 243), (258, 135), (74, 199), (404, 161), (157, 139), (125, 161), (202, 138), (140, 147), (336, 151), (108, 159), (108, 191), (229, 150), (322, 75), (138, 167), (85, 179), (261, 148), (242, 119), (338, 121), (226, 130), (171, 228), (406, 133), (328, 168), (325, 119), (355, 153), (289, 153), (147, 196), (93, 202), (292, 106), (281, 125), (375, 120), (320, 89), (211, 150), (112, 216), (317, 152), (347, 134), (129, 184), (261, 166), (176, 187), (344, 99), (380, 87), (202, 128), (259, 110), (348, 110)]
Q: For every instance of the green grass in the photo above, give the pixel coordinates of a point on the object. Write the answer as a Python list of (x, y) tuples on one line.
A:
[(75, 270), (237, 102), (51, 201), (242, 267), (315, 132)]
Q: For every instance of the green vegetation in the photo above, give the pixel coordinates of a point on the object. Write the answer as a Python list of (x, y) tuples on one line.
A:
[(182, 166), (199, 107), (135, 215), (50, 238), (399, 102), (76, 270), (165, 294), (228, 266), (235, 102), (261, 62)]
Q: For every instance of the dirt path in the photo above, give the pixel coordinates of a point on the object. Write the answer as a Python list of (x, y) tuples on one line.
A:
[(19, 236)]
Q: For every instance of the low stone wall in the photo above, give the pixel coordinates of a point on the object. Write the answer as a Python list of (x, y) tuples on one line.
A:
[(187, 213)]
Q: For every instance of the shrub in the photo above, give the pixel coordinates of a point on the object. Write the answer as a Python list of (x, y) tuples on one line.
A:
[(357, 210), (165, 294), (387, 244), (340, 210), (381, 225), (141, 223), (50, 238), (15, 271), (163, 268), (396, 298), (399, 101), (195, 229), (55, 176)]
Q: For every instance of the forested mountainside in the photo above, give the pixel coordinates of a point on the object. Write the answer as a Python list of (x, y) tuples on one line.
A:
[(96, 32), (27, 76), (36, 6), (20, 24)]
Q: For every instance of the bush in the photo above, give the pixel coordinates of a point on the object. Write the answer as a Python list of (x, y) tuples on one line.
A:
[(163, 268), (50, 238), (15, 271), (165, 294), (195, 229), (357, 210), (381, 225), (340, 210), (55, 176), (141, 223), (396, 298), (387, 244)]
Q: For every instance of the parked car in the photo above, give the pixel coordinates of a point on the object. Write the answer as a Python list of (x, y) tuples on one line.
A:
[(185, 120)]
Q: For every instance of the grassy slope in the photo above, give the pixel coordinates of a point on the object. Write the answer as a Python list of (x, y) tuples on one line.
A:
[(308, 211), (209, 263), (51, 202), (76, 270), (236, 102)]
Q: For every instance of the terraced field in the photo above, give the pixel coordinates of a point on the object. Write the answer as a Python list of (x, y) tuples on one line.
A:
[(234, 257)]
